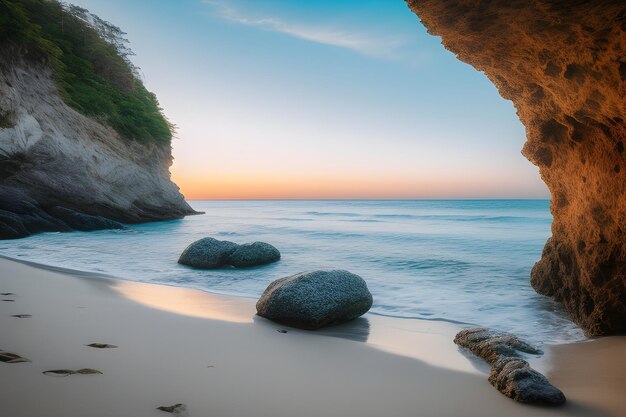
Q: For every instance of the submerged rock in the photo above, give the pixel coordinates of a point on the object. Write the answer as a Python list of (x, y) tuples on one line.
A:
[(311, 300), (207, 253), (509, 374), (492, 345), (517, 380), (253, 254)]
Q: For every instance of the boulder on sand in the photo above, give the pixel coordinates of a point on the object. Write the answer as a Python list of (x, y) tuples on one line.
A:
[(517, 380), (510, 374), (253, 254), (492, 345), (311, 300)]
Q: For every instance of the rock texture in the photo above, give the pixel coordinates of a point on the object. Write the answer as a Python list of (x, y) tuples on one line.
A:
[(311, 300), (52, 156), (563, 64), (517, 380), (509, 374), (492, 345), (209, 253), (253, 254)]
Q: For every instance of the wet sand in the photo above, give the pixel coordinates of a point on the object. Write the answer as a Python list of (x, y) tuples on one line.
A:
[(211, 353)]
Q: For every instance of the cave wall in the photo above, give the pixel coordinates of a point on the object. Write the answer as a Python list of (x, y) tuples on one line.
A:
[(563, 65)]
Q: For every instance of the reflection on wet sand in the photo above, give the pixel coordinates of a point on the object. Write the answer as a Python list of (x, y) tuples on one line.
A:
[(188, 302)]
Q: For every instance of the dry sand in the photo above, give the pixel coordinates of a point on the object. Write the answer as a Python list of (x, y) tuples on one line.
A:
[(214, 355)]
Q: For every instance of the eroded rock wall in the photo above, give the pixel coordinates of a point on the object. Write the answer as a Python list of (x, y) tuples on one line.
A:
[(563, 65), (51, 155)]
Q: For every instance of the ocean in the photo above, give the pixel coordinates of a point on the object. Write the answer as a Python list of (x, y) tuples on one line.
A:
[(466, 261)]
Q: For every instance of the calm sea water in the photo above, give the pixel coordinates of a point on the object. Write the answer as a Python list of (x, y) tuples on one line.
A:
[(465, 261)]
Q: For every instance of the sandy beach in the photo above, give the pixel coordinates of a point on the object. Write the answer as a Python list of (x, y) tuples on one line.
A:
[(214, 355)]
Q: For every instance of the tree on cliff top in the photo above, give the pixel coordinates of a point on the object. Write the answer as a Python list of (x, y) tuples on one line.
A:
[(91, 62)]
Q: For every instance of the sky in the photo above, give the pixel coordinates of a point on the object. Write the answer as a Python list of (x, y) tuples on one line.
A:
[(346, 99)]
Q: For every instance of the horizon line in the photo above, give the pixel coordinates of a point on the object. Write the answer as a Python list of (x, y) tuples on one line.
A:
[(375, 199)]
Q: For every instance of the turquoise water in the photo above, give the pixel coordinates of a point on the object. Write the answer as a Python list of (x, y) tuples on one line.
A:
[(464, 261)]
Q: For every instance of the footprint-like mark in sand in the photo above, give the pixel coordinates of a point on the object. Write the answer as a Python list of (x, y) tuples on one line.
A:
[(178, 410), (68, 372), (8, 357), (21, 316), (101, 346)]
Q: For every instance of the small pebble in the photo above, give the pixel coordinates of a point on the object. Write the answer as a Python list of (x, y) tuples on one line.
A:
[(101, 346), (9, 357)]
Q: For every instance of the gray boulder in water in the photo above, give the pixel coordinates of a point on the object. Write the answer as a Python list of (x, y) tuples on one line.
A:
[(517, 380), (253, 254), (311, 300), (207, 253)]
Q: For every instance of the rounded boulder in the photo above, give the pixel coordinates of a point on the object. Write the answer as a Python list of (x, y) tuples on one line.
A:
[(207, 253), (311, 300), (253, 254)]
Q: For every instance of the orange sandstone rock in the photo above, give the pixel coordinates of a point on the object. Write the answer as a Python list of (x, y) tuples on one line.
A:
[(563, 65)]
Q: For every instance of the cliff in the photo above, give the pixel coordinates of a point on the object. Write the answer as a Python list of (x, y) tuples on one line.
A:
[(55, 157), (563, 65)]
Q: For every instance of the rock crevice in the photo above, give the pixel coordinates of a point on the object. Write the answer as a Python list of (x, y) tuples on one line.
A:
[(563, 65)]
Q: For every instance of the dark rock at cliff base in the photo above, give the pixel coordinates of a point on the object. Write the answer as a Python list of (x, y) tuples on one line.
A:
[(11, 226), (207, 253), (492, 345), (311, 300), (83, 222), (253, 254), (21, 216), (517, 380)]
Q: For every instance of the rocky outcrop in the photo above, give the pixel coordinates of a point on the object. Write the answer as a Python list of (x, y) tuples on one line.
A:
[(510, 374), (209, 253), (563, 64), (311, 300), (52, 156)]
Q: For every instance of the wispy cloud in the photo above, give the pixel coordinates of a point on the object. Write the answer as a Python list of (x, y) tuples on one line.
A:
[(362, 42)]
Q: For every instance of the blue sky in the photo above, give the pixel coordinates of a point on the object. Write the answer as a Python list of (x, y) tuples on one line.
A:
[(321, 99)]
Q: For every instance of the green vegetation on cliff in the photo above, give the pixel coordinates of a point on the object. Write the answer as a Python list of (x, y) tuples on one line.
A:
[(90, 58)]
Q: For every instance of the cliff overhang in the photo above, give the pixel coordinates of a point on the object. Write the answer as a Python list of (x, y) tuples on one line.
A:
[(563, 65)]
